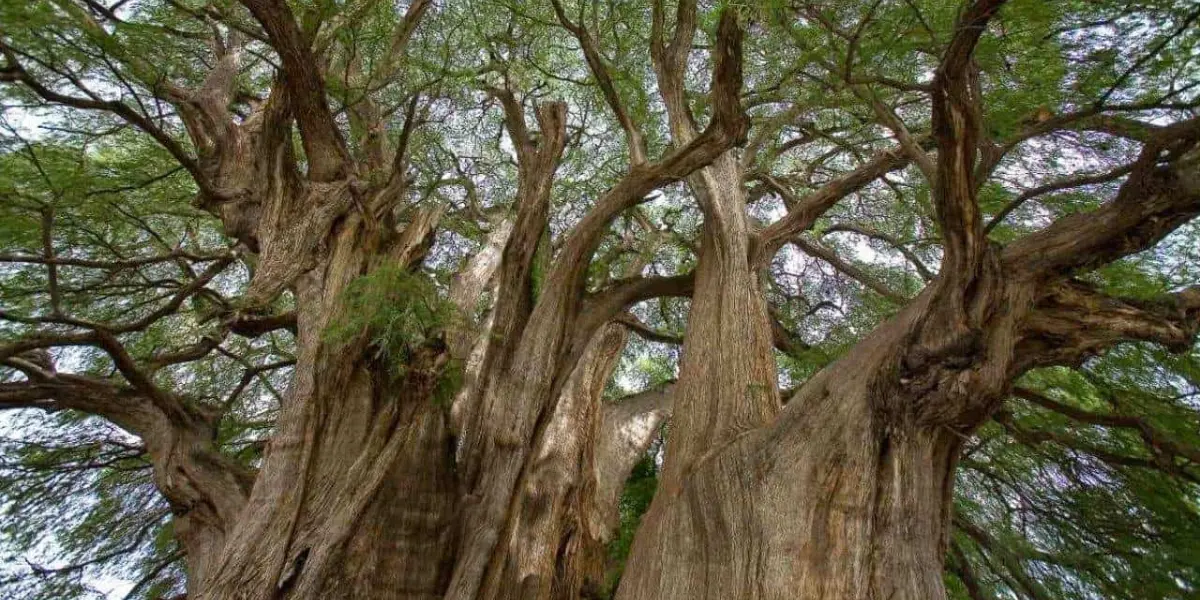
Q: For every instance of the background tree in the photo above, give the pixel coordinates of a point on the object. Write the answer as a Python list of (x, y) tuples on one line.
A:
[(351, 299)]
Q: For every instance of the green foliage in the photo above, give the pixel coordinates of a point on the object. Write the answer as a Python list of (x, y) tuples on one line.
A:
[(1081, 510), (635, 501), (395, 311), (87, 493)]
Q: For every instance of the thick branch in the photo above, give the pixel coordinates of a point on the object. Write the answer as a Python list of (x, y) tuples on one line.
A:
[(646, 332), (1075, 321), (956, 128), (536, 165), (1154, 200), (727, 128), (805, 211), (328, 158), (670, 64)]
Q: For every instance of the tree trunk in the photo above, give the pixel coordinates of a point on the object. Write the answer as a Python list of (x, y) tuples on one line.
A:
[(356, 497), (840, 497), (566, 510)]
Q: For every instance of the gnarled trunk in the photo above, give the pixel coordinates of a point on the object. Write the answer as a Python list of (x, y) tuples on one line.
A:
[(845, 495), (356, 497), (853, 509)]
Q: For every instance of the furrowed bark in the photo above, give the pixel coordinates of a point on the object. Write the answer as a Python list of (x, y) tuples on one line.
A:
[(469, 344), (324, 520), (323, 145), (847, 493), (839, 497), (536, 364), (566, 505), (205, 490), (727, 382), (554, 545), (372, 488), (726, 389)]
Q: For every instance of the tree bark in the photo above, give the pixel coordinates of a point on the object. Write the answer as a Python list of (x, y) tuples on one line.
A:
[(834, 499), (323, 521), (372, 489)]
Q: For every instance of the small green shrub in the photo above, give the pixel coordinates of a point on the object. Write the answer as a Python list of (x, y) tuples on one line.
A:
[(398, 311)]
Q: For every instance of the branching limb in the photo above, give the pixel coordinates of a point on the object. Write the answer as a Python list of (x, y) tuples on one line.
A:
[(13, 71), (646, 332), (1161, 193), (805, 211), (596, 63), (323, 145), (817, 250), (670, 64), (536, 164), (1056, 186), (1156, 442), (957, 117), (1075, 321), (892, 241), (1034, 438)]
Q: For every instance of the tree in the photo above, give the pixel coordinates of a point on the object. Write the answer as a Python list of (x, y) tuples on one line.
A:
[(341, 299)]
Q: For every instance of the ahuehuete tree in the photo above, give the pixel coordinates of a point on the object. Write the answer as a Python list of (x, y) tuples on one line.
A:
[(363, 299)]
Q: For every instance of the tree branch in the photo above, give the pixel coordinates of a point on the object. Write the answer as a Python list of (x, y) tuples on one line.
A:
[(1075, 321), (13, 71), (891, 240), (1156, 442), (1155, 199), (805, 211), (1055, 186), (956, 129), (596, 63), (328, 158), (852, 271)]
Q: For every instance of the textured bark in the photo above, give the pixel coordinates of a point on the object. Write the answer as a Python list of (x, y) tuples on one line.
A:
[(566, 510), (205, 489), (551, 546), (836, 498), (372, 489), (469, 343), (534, 350), (844, 494), (323, 521), (726, 390), (727, 384), (847, 493)]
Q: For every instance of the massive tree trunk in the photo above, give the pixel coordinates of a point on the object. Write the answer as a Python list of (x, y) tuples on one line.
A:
[(847, 493), (837, 498), (373, 488), (536, 348), (356, 496), (351, 437), (368, 487)]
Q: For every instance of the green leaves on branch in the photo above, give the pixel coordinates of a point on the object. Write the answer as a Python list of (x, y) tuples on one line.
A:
[(395, 311)]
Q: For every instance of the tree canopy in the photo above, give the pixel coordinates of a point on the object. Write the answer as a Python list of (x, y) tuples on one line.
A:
[(129, 280)]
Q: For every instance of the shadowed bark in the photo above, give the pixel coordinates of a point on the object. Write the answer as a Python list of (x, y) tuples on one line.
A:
[(846, 494), (376, 486)]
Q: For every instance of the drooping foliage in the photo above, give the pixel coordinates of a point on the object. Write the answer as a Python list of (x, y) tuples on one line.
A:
[(117, 283)]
